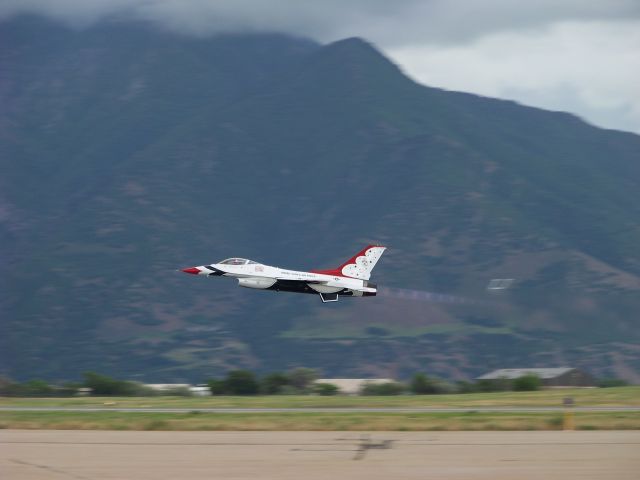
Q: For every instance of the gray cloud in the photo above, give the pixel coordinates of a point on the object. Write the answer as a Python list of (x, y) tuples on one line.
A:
[(559, 54), (587, 68), (389, 23)]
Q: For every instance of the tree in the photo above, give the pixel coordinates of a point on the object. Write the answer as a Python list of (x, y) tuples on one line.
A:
[(37, 388), (422, 385), (301, 378), (217, 387), (527, 383), (241, 382), (273, 383), (325, 389), (388, 388), (104, 385), (612, 382), (465, 387), (100, 384)]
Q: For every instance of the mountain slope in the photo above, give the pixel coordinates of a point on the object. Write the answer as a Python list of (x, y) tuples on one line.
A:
[(159, 152)]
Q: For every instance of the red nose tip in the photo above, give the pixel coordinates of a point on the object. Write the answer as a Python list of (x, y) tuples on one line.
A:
[(192, 270)]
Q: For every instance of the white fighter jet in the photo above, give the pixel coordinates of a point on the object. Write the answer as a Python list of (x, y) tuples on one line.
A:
[(350, 279)]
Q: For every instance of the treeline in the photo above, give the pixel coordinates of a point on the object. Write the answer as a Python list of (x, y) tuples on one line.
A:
[(37, 388), (299, 381), (422, 384), (302, 381), (93, 383)]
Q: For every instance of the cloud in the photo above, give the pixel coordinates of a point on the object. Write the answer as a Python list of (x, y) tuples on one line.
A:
[(558, 54), (395, 23), (582, 67)]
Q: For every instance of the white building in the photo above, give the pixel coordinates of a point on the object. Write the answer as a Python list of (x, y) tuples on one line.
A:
[(200, 390), (353, 386), (195, 390), (163, 387)]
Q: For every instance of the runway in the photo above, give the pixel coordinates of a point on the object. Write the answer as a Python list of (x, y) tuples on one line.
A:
[(96, 455)]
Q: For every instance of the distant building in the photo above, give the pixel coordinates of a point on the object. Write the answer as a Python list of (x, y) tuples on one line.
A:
[(353, 386), (195, 390), (551, 377), (200, 390), (164, 387)]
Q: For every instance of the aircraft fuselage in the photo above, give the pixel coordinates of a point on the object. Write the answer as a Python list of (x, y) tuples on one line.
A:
[(328, 283)]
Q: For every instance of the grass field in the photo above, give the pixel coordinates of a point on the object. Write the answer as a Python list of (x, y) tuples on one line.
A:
[(471, 420), (585, 397), (317, 421)]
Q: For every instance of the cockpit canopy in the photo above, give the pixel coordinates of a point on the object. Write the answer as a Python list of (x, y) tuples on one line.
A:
[(237, 261)]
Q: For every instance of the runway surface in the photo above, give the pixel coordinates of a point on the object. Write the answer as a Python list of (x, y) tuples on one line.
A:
[(96, 455), (320, 410)]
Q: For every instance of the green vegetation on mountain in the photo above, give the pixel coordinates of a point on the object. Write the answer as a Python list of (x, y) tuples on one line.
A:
[(128, 152)]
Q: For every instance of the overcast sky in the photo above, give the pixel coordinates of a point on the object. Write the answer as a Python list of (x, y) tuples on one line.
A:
[(581, 56)]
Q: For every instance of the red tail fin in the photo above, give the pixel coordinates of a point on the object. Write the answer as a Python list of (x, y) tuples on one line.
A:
[(358, 266)]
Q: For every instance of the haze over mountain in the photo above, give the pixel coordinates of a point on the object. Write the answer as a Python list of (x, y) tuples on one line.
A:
[(127, 152)]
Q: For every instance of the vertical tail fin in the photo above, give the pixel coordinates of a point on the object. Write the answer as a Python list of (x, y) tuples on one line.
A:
[(360, 265)]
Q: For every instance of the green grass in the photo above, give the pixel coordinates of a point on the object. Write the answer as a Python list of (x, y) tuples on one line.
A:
[(316, 421), (620, 396)]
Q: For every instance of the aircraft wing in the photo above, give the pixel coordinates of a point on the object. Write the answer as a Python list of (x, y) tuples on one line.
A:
[(298, 280)]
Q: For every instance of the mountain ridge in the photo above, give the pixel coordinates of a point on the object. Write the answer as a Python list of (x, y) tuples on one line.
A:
[(297, 154)]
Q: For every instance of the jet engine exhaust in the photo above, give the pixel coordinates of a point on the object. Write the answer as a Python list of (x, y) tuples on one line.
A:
[(423, 296)]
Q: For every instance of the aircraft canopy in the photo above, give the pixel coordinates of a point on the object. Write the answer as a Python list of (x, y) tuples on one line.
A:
[(237, 261)]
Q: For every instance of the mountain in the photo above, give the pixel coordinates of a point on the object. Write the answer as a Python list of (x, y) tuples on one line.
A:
[(128, 152)]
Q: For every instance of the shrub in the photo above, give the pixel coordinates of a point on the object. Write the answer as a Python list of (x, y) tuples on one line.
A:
[(388, 388), (325, 389), (466, 387), (104, 385), (527, 383), (217, 387), (612, 382), (37, 388), (423, 385), (302, 378), (241, 382), (274, 383), (289, 390)]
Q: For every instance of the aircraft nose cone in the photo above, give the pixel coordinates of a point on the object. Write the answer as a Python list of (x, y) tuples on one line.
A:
[(191, 270)]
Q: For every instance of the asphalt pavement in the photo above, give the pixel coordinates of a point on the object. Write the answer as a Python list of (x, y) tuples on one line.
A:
[(98, 455)]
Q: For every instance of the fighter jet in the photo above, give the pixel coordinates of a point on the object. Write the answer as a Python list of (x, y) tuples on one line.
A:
[(351, 279)]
